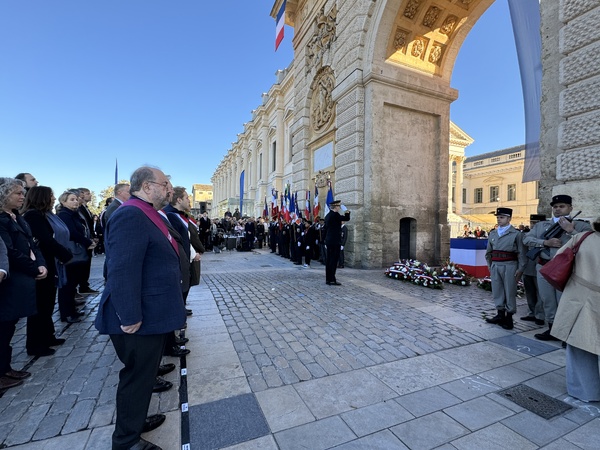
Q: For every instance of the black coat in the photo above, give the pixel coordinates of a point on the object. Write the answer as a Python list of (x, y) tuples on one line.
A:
[(333, 227), (17, 292), (76, 225)]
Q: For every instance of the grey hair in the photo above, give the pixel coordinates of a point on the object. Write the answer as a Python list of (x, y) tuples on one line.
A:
[(7, 186), (140, 176)]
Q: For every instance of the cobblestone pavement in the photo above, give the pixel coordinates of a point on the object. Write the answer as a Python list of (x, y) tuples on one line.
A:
[(293, 363)]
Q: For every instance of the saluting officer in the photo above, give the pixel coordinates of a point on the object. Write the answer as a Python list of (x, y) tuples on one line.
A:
[(561, 210)]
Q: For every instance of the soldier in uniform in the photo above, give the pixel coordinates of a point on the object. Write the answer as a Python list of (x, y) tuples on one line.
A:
[(333, 239), (534, 303), (561, 210), (506, 260)]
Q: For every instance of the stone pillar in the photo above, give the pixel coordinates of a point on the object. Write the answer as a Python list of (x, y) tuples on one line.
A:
[(450, 161), (459, 184)]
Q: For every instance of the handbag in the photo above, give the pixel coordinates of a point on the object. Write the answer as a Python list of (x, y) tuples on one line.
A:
[(558, 270), (80, 254)]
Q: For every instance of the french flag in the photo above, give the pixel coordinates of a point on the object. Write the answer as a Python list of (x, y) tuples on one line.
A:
[(279, 26)]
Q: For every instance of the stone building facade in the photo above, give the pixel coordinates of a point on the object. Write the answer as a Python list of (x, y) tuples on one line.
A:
[(366, 103)]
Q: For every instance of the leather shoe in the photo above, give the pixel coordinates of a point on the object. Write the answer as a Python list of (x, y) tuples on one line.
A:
[(177, 352), (6, 383), (88, 291), (70, 319), (188, 312), (181, 340), (17, 374), (528, 318), (153, 422), (79, 302), (334, 283), (79, 314), (161, 385), (56, 341), (539, 322), (143, 444), (545, 336), (164, 369), (41, 352)]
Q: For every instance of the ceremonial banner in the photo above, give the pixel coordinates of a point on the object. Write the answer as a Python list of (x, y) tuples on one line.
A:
[(280, 25)]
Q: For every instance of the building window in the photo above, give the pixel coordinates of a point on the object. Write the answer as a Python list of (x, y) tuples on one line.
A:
[(496, 159), (464, 195), (478, 163), (511, 193), (514, 156), (478, 195), (274, 166), (494, 194)]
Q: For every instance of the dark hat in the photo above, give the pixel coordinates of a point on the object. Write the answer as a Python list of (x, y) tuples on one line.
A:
[(335, 203), (538, 217), (504, 212), (561, 199)]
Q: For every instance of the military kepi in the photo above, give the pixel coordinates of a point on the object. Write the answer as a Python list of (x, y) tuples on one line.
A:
[(335, 203), (504, 212), (537, 217), (561, 199)]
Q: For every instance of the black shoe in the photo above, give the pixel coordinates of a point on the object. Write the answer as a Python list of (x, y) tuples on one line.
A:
[(161, 385), (143, 444), (41, 352), (181, 341), (529, 318), (498, 318), (88, 291), (539, 322), (177, 352), (507, 324), (70, 319), (79, 314), (335, 283), (152, 422), (188, 312), (545, 336), (56, 341), (164, 369)]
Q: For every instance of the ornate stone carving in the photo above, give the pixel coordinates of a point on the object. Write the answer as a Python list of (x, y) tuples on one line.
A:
[(431, 16), (324, 35), (435, 55), (448, 26), (412, 8), (400, 39), (322, 107), (321, 178), (419, 46), (466, 3)]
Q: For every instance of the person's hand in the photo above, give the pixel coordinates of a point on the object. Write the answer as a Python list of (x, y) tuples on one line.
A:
[(566, 224), (518, 274), (2, 276), (130, 329), (198, 256), (341, 247), (43, 273), (554, 242), (93, 246)]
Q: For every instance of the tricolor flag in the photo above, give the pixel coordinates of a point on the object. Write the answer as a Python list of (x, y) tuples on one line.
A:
[(316, 206), (279, 26), (266, 210), (274, 209), (329, 197), (292, 207), (307, 208)]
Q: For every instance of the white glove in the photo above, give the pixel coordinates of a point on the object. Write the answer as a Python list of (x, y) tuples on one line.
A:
[(299, 244), (307, 247), (342, 247)]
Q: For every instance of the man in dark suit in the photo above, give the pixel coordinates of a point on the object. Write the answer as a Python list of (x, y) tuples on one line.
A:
[(142, 300), (85, 196), (333, 239), (121, 196)]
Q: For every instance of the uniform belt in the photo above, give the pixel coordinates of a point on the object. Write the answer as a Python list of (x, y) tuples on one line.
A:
[(498, 255)]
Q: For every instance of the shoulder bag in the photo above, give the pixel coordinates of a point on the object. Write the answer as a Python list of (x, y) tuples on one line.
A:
[(558, 270)]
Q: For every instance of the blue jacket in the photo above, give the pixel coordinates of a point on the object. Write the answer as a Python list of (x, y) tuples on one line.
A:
[(143, 277)]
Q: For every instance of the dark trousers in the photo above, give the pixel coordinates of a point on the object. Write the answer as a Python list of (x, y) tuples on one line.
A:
[(40, 326), (66, 294), (333, 256), (341, 259), (7, 331), (141, 355), (84, 275)]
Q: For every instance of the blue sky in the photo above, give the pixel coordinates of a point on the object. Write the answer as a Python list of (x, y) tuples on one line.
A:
[(166, 83)]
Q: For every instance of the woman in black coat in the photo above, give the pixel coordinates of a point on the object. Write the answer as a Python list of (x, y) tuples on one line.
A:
[(27, 265), (40, 327), (78, 233)]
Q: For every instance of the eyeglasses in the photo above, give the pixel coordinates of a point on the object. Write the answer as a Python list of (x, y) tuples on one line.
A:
[(165, 184)]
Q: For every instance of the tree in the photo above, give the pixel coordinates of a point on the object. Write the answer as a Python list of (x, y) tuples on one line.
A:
[(106, 193)]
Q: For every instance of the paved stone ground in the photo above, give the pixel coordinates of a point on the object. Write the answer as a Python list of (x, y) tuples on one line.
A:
[(373, 364)]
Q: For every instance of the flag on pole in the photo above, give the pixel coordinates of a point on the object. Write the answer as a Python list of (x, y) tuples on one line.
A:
[(274, 209), (292, 207), (266, 210), (307, 208), (316, 206), (116, 171), (329, 196), (280, 25)]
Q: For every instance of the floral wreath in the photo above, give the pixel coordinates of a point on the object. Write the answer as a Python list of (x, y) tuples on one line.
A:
[(451, 273), (415, 272)]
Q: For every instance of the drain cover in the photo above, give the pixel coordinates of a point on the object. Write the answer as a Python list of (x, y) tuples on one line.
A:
[(535, 401)]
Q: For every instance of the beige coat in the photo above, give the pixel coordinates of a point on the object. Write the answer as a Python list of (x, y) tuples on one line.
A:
[(577, 320)]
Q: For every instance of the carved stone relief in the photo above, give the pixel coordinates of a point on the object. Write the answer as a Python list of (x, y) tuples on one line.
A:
[(419, 47), (431, 16), (412, 8), (435, 55), (400, 39), (448, 26), (323, 36), (321, 178), (322, 107)]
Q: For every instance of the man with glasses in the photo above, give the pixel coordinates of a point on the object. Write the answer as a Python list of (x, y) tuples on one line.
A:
[(142, 300)]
